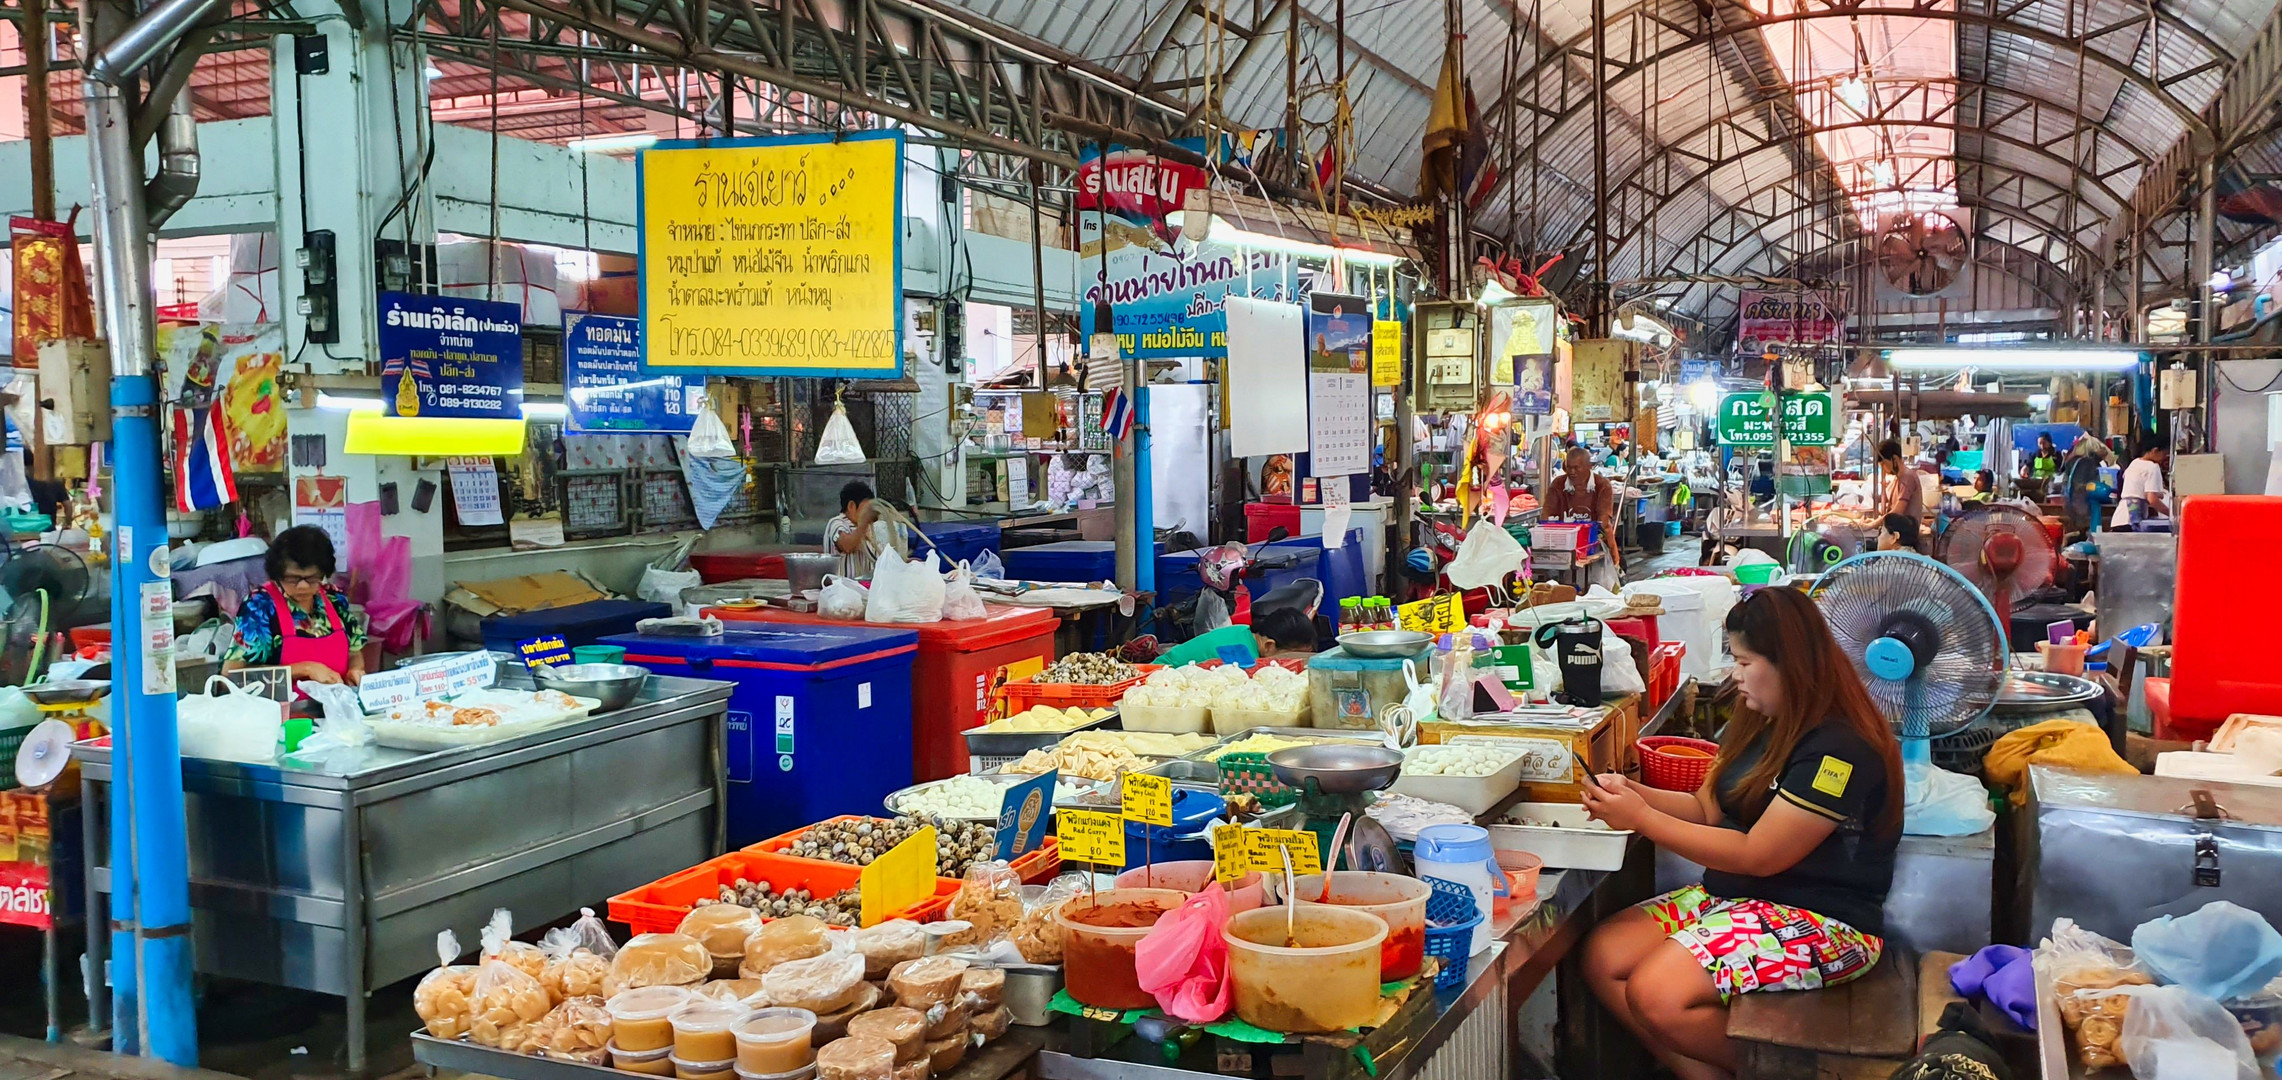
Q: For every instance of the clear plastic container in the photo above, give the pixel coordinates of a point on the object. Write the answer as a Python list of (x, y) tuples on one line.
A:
[(1325, 979), (1099, 933), (802, 1073), (1191, 876), (703, 1070), (1397, 899), (701, 1030), (639, 1018), (774, 1041), (658, 1062)]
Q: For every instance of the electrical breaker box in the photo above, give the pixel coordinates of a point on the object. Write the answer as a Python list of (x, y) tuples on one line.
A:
[(75, 392), (1447, 366)]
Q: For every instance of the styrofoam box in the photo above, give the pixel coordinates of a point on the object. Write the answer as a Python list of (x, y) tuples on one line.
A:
[(1473, 794), (1578, 843)]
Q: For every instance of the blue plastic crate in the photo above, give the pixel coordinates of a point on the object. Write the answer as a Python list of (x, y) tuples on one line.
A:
[(1447, 939)]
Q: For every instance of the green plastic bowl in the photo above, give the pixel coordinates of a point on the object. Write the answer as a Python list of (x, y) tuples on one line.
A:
[(1758, 573), (598, 654)]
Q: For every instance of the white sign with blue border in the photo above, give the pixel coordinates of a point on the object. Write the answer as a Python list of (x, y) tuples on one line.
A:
[(610, 390)]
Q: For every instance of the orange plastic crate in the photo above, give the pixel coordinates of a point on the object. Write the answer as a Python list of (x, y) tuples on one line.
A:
[(1021, 694), (1035, 868), (1664, 672), (658, 907)]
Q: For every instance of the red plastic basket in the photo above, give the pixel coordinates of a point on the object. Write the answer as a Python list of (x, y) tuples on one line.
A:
[(1035, 868), (1021, 694), (658, 907), (1664, 671), (1675, 772)]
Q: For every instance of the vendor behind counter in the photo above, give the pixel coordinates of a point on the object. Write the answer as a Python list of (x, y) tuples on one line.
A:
[(299, 619)]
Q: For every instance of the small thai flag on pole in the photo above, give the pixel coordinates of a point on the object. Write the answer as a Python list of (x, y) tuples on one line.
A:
[(202, 474), (1117, 414)]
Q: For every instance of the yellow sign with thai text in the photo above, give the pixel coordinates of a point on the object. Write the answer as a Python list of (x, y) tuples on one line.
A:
[(778, 256), (1386, 353), (1444, 613), (1090, 837)]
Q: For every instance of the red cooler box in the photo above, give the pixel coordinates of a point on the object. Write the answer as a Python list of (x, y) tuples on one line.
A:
[(950, 680)]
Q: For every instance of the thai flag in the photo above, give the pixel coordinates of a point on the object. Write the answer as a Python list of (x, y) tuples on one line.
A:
[(1117, 414), (202, 474)]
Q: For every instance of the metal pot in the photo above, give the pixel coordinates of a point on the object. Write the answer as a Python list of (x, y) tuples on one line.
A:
[(805, 570)]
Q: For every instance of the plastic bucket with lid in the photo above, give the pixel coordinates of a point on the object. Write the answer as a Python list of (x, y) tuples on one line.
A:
[(1099, 934), (1191, 876), (1397, 899), (1461, 855), (1323, 977)]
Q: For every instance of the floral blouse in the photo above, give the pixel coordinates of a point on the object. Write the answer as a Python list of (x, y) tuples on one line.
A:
[(257, 640)]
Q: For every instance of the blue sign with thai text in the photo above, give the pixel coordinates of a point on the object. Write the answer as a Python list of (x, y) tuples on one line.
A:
[(450, 358), (609, 388), (1023, 814)]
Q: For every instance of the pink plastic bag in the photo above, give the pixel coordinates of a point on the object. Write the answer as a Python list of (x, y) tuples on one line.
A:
[(380, 579), (1184, 961)]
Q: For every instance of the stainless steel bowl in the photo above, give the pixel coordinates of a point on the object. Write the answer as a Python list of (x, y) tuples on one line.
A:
[(67, 691), (1385, 644), (1337, 768), (615, 685)]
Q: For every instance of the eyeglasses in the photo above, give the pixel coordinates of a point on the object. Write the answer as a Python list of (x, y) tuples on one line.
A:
[(301, 579)]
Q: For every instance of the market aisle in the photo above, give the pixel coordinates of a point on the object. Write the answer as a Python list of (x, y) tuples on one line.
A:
[(1678, 552), (31, 1059)]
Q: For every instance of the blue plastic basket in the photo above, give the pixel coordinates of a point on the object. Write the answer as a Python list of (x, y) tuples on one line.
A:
[(1451, 915)]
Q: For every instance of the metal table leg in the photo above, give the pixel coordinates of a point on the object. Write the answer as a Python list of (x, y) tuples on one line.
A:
[(353, 935), (94, 807)]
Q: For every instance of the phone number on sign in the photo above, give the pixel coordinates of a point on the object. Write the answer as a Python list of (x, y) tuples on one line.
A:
[(761, 343)]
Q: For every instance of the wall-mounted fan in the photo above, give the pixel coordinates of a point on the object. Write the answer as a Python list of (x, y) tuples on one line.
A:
[(1921, 253), (2006, 552)]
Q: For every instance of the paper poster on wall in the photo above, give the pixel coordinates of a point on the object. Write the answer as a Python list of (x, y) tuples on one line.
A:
[(1339, 385), (1386, 353), (1520, 329), (323, 501), (1266, 369), (774, 256), (241, 366), (475, 491)]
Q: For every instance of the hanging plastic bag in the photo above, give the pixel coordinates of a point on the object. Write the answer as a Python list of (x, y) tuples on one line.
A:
[(341, 726), (2223, 950), (238, 725), (714, 482), (708, 436), (960, 600), (1183, 960), (842, 598), (665, 586), (905, 592), (2173, 1033), (1486, 558), (1937, 802), (838, 445), (989, 567)]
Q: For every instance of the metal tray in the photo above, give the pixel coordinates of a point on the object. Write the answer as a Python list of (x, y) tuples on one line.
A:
[(2042, 691), (982, 743), (894, 800), (1372, 736)]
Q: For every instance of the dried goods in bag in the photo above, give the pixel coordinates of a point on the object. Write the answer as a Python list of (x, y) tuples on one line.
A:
[(794, 937), (926, 982), (990, 897), (443, 997), (821, 984), (722, 929), (578, 958), (507, 997), (658, 960), (888, 944)]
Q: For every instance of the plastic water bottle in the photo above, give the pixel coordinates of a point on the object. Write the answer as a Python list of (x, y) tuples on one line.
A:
[(1461, 855)]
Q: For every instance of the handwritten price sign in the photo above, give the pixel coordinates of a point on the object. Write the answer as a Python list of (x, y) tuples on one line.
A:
[(1089, 837), (1443, 614)]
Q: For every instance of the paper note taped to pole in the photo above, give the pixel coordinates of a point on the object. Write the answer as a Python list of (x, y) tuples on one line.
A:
[(778, 256)]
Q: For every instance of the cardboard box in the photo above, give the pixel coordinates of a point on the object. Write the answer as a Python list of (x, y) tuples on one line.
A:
[(1561, 757)]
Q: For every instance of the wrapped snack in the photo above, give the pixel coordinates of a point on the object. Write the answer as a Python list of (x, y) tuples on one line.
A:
[(657, 960), (918, 1068), (1038, 936), (856, 1059), (949, 1018), (903, 1028), (578, 958), (991, 898), (946, 1054), (992, 1024), (926, 982), (888, 944), (831, 1026), (986, 986), (2086, 969), (575, 1030), (734, 991), (506, 996), (444, 995), (821, 984), (794, 937), (722, 929)]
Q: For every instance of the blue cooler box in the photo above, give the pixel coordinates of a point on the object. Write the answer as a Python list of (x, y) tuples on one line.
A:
[(579, 624), (820, 722), (1070, 560), (960, 541), (1340, 571)]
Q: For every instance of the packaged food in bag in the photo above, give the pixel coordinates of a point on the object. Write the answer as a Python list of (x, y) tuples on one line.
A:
[(794, 937), (903, 1028), (926, 982), (830, 1026), (949, 1018), (888, 944), (918, 1068), (2087, 972), (946, 1054), (738, 991), (821, 984), (722, 929), (990, 897), (507, 998), (986, 986), (855, 1059), (520, 955), (578, 958), (1038, 937), (443, 997), (658, 960), (578, 1029), (992, 1024)]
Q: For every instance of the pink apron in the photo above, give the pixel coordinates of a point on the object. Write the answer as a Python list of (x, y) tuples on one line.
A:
[(332, 650)]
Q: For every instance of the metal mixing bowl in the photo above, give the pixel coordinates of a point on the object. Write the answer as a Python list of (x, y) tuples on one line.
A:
[(1337, 767), (67, 691), (615, 685), (1385, 644)]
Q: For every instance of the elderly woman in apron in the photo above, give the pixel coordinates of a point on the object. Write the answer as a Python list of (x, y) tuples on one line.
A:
[(299, 620)]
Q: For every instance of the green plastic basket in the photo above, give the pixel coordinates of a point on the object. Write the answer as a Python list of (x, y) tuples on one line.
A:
[(1250, 774), (11, 740)]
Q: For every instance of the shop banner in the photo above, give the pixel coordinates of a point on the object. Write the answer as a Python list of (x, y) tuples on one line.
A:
[(1808, 419), (24, 895), (241, 363), (448, 358), (774, 256), (608, 388), (1135, 184), (1802, 317), (1386, 353), (1339, 384)]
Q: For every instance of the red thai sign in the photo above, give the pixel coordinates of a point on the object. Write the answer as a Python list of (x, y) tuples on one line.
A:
[(1135, 184)]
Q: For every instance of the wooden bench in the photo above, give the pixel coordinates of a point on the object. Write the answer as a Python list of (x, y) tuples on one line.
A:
[(1858, 1031)]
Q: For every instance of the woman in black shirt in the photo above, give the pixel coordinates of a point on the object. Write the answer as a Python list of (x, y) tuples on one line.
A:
[(1795, 828)]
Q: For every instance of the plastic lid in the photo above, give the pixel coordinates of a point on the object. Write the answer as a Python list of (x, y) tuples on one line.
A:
[(776, 1024), (706, 1014), (647, 1002), (639, 1055), (801, 1073), (1453, 844), (685, 1065)]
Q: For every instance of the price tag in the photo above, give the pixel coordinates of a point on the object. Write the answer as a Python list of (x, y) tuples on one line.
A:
[(543, 651), (1231, 853), (1268, 845), (1442, 614), (1148, 799), (1091, 1012), (902, 877), (1090, 837), (1022, 815)]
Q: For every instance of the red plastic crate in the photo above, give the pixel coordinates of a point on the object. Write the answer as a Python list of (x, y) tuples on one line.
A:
[(713, 566), (1664, 671), (658, 907), (1021, 694), (1035, 868)]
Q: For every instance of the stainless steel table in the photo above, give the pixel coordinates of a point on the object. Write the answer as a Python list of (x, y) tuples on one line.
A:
[(335, 875)]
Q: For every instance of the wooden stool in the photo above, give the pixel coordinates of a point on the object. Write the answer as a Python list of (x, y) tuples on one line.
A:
[(1858, 1031)]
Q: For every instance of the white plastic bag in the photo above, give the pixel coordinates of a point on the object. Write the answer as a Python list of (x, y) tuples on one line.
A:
[(990, 567), (960, 600), (239, 725), (838, 445), (1486, 558), (2173, 1033), (1937, 802), (665, 586), (905, 592), (1419, 699), (708, 436), (1619, 675), (343, 724), (842, 598)]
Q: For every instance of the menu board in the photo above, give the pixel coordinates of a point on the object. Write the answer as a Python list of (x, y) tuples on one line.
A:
[(775, 256)]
